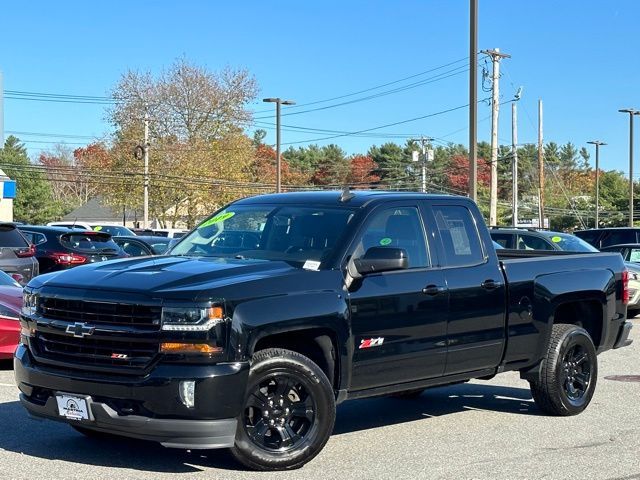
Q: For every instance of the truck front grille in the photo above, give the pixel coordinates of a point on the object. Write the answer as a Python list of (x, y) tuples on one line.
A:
[(89, 351), (100, 313), (125, 337)]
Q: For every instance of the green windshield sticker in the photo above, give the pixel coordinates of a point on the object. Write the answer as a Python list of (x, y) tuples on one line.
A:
[(221, 217), (97, 228), (556, 239), (385, 241)]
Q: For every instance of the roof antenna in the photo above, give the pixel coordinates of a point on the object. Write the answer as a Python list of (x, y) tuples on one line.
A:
[(346, 195)]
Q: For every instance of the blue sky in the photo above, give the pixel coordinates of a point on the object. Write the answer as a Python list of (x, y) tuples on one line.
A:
[(580, 57)]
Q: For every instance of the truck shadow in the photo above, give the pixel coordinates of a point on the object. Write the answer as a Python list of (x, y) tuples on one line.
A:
[(51, 440), (6, 365)]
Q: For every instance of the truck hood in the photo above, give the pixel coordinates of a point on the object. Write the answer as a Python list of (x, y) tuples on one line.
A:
[(156, 276)]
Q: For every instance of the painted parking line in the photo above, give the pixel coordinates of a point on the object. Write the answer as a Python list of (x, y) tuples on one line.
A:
[(7, 385)]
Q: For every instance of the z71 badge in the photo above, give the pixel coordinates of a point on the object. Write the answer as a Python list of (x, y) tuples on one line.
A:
[(371, 342)]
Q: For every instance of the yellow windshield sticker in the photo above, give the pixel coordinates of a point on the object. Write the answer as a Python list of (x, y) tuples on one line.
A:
[(385, 241), (221, 217), (556, 239), (97, 228)]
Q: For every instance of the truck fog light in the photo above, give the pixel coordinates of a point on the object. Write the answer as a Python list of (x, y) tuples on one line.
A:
[(187, 391)]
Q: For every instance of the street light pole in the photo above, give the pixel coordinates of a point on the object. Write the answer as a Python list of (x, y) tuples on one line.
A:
[(631, 112), (597, 143), (278, 101)]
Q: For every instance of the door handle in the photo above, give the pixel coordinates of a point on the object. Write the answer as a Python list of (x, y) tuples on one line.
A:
[(433, 290), (490, 284)]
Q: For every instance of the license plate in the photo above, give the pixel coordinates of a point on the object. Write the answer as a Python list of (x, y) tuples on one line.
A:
[(72, 407)]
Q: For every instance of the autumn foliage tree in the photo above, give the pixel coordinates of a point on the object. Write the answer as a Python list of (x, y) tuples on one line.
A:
[(362, 170)]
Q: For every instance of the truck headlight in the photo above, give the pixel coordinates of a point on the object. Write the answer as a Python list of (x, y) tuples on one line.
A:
[(191, 319), (29, 303)]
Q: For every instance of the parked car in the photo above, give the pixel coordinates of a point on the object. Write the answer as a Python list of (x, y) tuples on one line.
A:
[(61, 248), (633, 307), (532, 239), (113, 230), (630, 251), (278, 307), (170, 232), (605, 237), (138, 246), (10, 305), (17, 254)]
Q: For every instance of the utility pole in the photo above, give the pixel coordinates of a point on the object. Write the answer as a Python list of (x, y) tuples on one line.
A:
[(597, 143), (146, 171), (496, 56), (540, 169), (427, 156), (473, 99), (631, 112), (514, 164), (278, 101)]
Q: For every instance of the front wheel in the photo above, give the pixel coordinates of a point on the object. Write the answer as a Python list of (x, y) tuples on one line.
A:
[(568, 372), (289, 412)]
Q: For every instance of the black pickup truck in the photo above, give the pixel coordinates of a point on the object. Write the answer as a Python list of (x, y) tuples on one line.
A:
[(278, 307)]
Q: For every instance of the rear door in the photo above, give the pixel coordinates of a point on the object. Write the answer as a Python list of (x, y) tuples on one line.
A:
[(477, 293)]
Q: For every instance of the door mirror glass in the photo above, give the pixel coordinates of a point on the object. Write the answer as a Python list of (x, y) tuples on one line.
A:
[(382, 259)]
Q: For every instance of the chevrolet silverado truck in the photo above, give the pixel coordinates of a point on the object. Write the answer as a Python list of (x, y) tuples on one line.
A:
[(278, 307)]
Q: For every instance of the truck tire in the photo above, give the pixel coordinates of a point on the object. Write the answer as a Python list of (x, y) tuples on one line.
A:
[(289, 412), (568, 373)]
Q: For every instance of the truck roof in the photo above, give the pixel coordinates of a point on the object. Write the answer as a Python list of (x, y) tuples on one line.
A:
[(359, 198)]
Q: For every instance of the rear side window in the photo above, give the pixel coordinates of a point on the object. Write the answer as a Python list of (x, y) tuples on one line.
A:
[(35, 238), (505, 240), (11, 237), (616, 237), (589, 236), (88, 242), (459, 235)]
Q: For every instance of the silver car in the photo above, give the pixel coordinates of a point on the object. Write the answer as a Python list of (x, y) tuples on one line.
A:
[(17, 255)]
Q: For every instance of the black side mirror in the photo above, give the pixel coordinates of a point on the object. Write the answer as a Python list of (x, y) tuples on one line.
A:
[(382, 259)]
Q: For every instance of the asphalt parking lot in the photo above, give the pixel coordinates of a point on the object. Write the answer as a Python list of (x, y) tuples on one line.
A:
[(478, 430)]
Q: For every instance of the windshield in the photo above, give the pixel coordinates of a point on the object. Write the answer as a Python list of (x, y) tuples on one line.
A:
[(570, 243), (301, 235), (114, 230)]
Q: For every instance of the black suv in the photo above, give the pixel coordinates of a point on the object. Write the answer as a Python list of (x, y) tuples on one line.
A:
[(604, 237), (60, 248), (518, 238)]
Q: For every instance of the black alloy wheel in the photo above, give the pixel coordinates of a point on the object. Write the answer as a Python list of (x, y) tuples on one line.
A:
[(288, 414), (576, 374), (280, 413)]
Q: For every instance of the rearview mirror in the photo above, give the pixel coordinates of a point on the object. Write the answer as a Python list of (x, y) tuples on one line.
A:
[(382, 259)]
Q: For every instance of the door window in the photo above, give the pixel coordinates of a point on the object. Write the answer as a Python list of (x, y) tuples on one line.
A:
[(505, 240), (531, 242), (459, 235), (397, 228)]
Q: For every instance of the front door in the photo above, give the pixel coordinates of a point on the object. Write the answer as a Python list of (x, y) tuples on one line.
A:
[(399, 318)]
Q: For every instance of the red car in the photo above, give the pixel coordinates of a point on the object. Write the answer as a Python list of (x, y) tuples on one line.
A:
[(10, 305)]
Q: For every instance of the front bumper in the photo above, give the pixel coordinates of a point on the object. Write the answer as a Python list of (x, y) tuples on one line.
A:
[(146, 408)]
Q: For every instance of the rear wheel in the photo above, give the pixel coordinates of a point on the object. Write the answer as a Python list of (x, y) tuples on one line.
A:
[(568, 373), (289, 412)]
